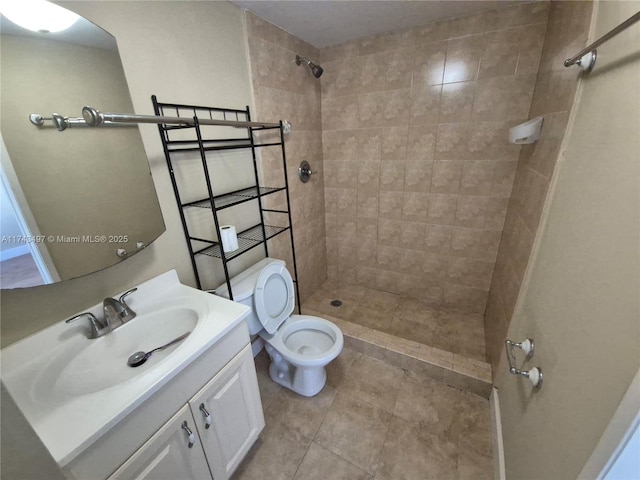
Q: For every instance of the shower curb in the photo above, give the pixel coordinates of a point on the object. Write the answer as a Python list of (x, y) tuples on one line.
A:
[(455, 370)]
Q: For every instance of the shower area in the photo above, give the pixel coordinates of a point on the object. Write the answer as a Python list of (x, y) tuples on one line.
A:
[(416, 228)]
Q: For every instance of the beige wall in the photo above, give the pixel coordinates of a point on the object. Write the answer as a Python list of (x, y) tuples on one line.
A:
[(183, 52), (579, 298), (418, 169), (553, 97), (73, 181), (284, 90), (24, 456)]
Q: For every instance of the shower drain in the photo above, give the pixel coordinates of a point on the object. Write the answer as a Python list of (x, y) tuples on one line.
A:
[(336, 303)]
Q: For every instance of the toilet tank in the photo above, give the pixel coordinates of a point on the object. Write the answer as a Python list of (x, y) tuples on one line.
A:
[(243, 285)]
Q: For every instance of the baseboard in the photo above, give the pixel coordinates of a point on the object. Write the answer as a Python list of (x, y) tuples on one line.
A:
[(499, 472)]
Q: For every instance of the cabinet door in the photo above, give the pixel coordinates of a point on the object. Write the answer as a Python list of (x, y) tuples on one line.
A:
[(228, 414), (167, 455)]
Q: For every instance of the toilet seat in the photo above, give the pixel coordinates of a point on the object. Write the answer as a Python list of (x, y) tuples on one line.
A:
[(299, 346), (302, 340), (290, 340), (274, 296)]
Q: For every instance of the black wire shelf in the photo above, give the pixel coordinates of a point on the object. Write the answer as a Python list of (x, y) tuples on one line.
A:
[(194, 138), (234, 198), (237, 146), (247, 240)]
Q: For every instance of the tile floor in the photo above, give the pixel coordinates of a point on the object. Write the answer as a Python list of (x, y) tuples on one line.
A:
[(372, 421), (441, 327)]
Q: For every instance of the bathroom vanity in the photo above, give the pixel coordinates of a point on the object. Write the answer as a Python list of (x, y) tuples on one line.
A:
[(191, 411)]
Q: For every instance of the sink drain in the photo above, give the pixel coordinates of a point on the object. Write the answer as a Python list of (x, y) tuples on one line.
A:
[(336, 303)]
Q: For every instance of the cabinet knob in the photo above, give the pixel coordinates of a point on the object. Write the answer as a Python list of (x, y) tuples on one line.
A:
[(207, 416), (192, 437)]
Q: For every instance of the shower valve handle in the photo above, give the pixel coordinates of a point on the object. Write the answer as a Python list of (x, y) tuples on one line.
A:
[(304, 171)]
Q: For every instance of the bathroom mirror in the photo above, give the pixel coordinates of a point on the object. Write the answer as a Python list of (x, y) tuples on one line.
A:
[(72, 199)]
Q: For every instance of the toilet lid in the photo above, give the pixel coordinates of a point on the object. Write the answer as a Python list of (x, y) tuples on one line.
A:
[(274, 296)]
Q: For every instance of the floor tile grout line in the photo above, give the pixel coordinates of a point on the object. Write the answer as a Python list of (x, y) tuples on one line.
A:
[(346, 373), (345, 459), (302, 459), (354, 397), (384, 442), (362, 399), (386, 433)]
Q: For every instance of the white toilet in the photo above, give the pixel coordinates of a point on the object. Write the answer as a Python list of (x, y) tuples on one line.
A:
[(300, 346)]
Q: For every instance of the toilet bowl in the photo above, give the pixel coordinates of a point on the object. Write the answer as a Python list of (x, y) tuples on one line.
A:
[(300, 346)]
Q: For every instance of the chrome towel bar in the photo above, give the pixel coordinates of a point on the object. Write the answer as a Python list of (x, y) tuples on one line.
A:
[(591, 49), (95, 118)]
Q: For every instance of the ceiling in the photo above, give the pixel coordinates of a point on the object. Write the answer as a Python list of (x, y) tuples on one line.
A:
[(323, 23)]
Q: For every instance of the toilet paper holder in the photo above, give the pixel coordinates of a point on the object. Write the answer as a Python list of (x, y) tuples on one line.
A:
[(528, 347)]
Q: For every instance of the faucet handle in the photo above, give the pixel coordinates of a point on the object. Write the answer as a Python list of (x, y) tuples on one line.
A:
[(127, 313), (97, 329), (126, 294)]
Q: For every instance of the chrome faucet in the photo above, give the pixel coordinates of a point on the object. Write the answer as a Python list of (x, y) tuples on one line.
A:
[(116, 313)]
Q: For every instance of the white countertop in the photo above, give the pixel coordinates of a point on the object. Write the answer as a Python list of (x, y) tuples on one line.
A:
[(67, 423)]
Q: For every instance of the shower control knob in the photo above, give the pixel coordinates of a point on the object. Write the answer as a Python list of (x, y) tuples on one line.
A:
[(304, 171)]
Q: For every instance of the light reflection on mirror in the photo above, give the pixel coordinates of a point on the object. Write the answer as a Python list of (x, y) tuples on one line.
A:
[(38, 15), (69, 199)]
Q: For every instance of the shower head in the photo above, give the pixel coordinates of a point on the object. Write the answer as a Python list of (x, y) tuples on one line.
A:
[(315, 69)]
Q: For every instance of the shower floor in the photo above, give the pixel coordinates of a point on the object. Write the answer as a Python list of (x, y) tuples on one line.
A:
[(440, 327)]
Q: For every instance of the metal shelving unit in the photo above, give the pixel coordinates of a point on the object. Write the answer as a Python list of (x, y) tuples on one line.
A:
[(175, 143)]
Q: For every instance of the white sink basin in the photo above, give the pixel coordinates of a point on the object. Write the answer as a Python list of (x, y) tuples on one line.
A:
[(93, 365), (73, 389)]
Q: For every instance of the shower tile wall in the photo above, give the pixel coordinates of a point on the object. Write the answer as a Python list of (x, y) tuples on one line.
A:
[(285, 91), (417, 167), (555, 88)]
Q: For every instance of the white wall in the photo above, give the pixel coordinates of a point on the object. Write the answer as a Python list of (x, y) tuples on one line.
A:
[(9, 226), (183, 52)]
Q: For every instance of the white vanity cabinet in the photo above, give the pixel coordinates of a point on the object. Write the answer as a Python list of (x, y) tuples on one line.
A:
[(228, 414), (208, 437), (167, 454)]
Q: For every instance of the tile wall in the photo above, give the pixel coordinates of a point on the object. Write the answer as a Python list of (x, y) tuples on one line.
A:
[(417, 168), (283, 90), (567, 33)]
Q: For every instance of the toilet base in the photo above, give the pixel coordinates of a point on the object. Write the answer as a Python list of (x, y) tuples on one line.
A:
[(305, 381)]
